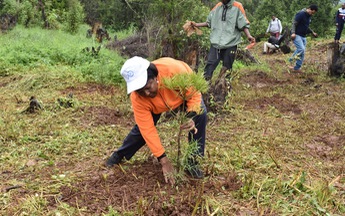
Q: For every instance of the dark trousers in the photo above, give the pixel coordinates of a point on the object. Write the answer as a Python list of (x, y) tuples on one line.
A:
[(340, 28), (215, 55), (134, 140)]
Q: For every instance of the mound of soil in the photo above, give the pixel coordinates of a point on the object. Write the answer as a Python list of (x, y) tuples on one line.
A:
[(132, 46)]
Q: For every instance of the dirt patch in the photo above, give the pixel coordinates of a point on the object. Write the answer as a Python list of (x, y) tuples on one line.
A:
[(140, 188), (3, 84), (329, 147), (100, 115), (280, 103), (332, 141), (132, 46), (6, 80), (260, 79)]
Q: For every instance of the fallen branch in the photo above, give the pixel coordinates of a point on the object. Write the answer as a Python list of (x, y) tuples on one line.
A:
[(12, 187)]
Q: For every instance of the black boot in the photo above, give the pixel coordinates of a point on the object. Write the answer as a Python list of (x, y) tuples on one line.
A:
[(113, 159), (193, 169), (195, 173)]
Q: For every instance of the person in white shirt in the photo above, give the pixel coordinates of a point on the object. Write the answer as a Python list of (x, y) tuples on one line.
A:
[(274, 27)]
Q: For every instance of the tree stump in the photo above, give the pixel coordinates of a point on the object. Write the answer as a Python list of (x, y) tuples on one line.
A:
[(336, 60)]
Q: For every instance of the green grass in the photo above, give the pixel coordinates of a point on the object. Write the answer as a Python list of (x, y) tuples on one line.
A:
[(24, 50), (43, 63)]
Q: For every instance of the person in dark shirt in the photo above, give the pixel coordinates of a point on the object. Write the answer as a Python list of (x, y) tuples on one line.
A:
[(300, 28), (339, 22)]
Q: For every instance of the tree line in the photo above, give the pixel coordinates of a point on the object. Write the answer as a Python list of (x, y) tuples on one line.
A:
[(163, 17), (119, 14)]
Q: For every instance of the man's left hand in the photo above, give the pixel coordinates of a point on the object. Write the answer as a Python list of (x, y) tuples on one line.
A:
[(189, 125)]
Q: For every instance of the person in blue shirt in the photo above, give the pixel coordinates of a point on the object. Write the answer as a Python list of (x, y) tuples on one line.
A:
[(300, 28), (339, 22)]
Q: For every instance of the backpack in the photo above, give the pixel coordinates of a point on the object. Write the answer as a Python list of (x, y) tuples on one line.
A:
[(273, 40)]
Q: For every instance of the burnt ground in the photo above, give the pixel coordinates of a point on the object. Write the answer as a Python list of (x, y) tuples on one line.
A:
[(139, 186)]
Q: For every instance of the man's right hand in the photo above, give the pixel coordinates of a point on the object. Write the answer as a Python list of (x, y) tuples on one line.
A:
[(168, 171), (293, 36), (251, 39), (192, 23)]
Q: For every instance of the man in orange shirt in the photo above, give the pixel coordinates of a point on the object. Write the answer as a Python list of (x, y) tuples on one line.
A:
[(150, 98)]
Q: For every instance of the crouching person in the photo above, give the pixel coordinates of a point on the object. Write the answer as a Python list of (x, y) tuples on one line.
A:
[(150, 98), (272, 44)]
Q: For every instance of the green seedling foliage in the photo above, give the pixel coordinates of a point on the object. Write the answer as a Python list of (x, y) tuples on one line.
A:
[(190, 154), (185, 85), (183, 82)]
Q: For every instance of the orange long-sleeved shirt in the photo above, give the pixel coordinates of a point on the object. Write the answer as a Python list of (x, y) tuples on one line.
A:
[(165, 100)]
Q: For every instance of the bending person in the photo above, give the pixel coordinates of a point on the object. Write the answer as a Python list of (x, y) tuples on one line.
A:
[(150, 98)]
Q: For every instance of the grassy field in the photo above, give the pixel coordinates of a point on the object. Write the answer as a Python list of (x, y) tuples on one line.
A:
[(276, 148)]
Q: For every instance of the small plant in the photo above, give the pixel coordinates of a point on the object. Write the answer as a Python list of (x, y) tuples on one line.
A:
[(185, 85), (112, 212), (35, 204), (67, 102)]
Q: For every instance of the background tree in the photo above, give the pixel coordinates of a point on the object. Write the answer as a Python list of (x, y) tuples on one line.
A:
[(113, 14), (45, 13), (160, 21), (74, 16), (260, 12), (322, 21)]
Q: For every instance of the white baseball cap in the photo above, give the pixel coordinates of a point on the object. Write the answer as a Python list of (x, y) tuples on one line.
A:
[(134, 71)]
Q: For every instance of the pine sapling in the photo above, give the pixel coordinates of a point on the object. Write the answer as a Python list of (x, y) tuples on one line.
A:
[(185, 85)]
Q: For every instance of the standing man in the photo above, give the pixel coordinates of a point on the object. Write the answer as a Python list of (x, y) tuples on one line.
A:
[(339, 22), (227, 20), (150, 98), (300, 28), (274, 27)]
